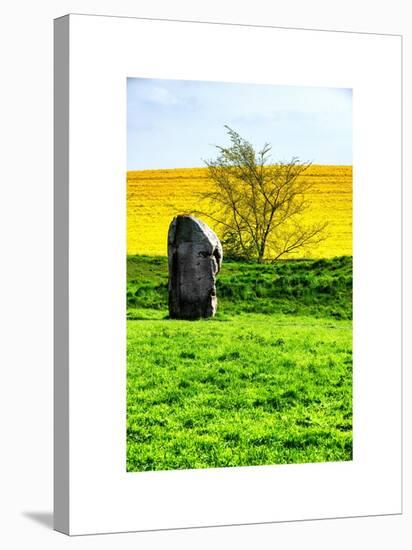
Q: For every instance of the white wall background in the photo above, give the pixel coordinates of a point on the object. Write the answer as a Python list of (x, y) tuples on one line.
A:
[(26, 37)]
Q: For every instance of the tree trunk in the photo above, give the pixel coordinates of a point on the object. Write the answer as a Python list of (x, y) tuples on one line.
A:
[(261, 255)]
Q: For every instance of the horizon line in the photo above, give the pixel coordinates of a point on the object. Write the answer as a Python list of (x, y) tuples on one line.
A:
[(205, 167)]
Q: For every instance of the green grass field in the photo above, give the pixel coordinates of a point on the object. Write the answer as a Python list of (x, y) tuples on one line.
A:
[(267, 381)]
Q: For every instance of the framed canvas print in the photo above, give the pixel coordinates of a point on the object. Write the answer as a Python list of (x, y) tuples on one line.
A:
[(227, 327)]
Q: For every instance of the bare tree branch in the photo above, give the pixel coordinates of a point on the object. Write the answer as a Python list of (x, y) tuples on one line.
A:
[(258, 204)]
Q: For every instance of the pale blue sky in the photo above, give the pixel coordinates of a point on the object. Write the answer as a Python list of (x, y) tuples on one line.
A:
[(176, 123)]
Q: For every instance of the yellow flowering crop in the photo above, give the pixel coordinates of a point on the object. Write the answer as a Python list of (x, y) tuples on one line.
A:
[(155, 196)]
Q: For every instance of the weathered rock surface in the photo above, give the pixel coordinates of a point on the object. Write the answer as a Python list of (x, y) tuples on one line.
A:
[(195, 256)]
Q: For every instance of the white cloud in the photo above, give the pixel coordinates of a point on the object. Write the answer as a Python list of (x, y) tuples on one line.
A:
[(156, 94)]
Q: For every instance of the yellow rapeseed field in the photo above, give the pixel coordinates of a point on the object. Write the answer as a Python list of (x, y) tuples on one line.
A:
[(155, 196)]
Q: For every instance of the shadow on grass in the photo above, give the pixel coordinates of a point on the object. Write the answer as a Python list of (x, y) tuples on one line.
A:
[(167, 318)]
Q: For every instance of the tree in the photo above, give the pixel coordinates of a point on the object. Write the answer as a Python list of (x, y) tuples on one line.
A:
[(258, 205)]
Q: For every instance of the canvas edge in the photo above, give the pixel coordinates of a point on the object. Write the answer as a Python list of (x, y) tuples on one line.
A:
[(61, 276)]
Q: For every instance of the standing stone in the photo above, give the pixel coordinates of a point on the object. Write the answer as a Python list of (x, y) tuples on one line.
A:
[(195, 256)]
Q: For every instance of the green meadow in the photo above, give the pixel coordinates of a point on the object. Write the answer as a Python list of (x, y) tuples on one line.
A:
[(267, 381)]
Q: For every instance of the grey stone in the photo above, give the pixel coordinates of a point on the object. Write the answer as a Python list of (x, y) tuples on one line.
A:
[(195, 256)]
